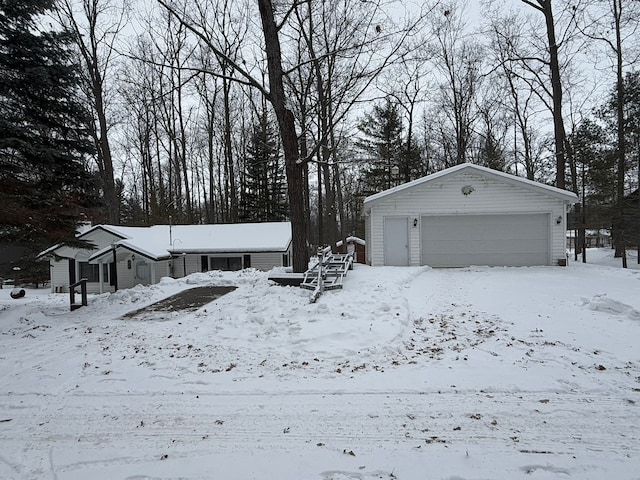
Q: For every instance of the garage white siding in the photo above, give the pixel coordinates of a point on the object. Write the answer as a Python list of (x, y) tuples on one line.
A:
[(491, 195), (462, 240)]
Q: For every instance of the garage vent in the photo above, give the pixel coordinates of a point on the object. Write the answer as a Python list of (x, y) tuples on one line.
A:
[(467, 190)]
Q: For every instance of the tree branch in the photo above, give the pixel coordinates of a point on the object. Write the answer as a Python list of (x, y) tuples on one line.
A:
[(249, 80)]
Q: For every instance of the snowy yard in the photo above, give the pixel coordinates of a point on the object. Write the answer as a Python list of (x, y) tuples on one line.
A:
[(407, 373)]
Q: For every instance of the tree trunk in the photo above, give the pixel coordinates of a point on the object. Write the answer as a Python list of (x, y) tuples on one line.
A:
[(286, 124), (304, 151), (104, 157), (231, 188), (619, 216), (556, 85)]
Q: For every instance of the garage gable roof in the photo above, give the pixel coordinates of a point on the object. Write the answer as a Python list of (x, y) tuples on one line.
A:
[(563, 195)]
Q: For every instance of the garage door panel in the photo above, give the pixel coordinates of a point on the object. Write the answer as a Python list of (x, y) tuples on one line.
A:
[(462, 240), (449, 247)]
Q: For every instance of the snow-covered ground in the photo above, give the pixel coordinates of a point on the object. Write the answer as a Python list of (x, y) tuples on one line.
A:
[(406, 373)]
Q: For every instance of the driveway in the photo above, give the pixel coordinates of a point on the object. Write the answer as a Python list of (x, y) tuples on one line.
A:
[(185, 301)]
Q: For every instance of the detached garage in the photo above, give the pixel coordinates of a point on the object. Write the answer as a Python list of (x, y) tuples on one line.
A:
[(467, 215)]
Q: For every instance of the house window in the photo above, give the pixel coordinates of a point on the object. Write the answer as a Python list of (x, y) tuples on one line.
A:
[(89, 271), (225, 263), (285, 259), (246, 261)]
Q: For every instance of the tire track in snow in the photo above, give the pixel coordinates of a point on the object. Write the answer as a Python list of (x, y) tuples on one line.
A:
[(186, 426)]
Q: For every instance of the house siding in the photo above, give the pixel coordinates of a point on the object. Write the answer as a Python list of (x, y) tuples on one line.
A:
[(59, 275), (60, 269), (367, 234), (444, 197), (101, 237), (130, 270), (163, 269), (266, 260)]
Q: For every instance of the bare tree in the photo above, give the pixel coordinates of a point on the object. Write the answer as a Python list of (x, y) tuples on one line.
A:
[(96, 25), (342, 43), (406, 83), (553, 63), (208, 90), (142, 134), (459, 59), (273, 21), (506, 38)]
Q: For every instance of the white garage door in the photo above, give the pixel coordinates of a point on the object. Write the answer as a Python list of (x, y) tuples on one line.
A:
[(463, 240)]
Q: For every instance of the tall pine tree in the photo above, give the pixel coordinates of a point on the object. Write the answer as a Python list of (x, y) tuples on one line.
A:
[(264, 195), (382, 144), (44, 141)]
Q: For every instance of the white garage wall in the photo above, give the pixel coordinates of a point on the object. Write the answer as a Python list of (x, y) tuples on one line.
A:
[(444, 197), (367, 235)]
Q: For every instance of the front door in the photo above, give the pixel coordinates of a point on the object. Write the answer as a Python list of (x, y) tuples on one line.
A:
[(396, 241), (143, 272)]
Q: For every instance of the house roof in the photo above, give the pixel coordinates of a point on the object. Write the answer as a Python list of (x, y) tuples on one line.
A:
[(160, 242), (558, 193), (351, 239)]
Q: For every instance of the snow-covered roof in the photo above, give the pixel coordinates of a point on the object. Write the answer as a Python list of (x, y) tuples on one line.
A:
[(351, 239), (48, 251), (162, 241), (487, 172)]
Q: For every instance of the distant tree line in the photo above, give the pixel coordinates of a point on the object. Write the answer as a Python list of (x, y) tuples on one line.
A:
[(191, 112)]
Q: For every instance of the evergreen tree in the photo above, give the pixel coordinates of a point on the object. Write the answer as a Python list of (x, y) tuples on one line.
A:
[(491, 153), (382, 144), (264, 186), (606, 179), (596, 160), (44, 183)]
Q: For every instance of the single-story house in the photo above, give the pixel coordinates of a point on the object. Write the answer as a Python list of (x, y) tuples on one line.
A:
[(592, 238), (467, 215), (126, 256)]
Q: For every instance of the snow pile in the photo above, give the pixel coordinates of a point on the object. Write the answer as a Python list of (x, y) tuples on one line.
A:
[(602, 303)]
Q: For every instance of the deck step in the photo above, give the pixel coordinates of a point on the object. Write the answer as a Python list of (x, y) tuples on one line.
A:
[(328, 273), (287, 279)]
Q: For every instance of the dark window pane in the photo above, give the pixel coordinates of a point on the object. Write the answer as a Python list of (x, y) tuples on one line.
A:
[(218, 263), (235, 263), (225, 263), (90, 272)]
